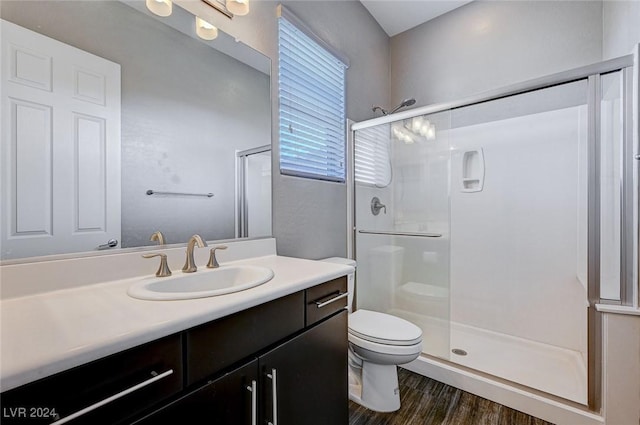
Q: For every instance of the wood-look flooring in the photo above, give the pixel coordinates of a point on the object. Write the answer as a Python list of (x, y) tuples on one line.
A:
[(428, 402)]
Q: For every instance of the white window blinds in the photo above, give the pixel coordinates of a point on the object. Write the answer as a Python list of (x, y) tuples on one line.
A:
[(312, 106)]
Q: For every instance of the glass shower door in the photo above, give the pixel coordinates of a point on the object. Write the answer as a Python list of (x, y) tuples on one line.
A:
[(496, 226), (402, 223), (519, 218), (253, 192)]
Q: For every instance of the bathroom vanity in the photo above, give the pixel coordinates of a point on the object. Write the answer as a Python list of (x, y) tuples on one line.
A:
[(271, 354)]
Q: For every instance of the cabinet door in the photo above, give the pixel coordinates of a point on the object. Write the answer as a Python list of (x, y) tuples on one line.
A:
[(304, 381), (229, 400)]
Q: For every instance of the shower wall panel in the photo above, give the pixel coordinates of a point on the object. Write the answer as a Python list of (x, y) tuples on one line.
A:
[(518, 246)]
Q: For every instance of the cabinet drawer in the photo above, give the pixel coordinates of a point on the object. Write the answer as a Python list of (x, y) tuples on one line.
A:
[(108, 390), (325, 299), (219, 344)]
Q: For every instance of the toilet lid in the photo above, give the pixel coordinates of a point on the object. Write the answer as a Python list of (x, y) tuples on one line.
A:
[(383, 328)]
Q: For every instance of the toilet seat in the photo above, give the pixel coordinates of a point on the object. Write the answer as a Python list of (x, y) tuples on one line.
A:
[(383, 329), (385, 349)]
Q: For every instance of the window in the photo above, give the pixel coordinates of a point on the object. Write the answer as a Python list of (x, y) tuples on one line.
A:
[(312, 104)]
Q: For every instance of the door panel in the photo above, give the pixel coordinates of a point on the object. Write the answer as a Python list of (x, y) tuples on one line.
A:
[(60, 146)]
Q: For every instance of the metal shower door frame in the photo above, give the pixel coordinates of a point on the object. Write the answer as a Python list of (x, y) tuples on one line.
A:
[(629, 239)]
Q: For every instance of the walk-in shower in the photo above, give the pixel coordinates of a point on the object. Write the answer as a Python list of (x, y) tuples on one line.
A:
[(503, 222)]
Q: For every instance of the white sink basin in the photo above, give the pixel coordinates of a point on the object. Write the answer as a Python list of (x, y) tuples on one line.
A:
[(201, 284)]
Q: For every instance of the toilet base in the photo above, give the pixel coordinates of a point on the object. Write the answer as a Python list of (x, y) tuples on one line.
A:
[(375, 387)]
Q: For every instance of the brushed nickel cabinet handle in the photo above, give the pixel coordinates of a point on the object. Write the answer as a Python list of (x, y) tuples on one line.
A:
[(274, 396), (338, 297), (113, 398), (253, 389)]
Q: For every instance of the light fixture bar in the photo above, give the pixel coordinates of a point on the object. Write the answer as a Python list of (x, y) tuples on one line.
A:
[(219, 7)]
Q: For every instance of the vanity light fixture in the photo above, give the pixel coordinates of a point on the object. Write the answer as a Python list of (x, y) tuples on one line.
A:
[(238, 7), (160, 7), (205, 30)]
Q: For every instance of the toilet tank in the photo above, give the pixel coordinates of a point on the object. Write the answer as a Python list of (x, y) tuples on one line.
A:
[(351, 277)]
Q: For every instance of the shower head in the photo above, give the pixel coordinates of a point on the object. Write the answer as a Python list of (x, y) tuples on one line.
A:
[(404, 104)]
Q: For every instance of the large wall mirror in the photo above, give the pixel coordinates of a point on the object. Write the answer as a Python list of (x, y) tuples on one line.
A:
[(191, 119)]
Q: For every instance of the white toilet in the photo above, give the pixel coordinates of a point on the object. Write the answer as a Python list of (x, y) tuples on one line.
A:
[(378, 342)]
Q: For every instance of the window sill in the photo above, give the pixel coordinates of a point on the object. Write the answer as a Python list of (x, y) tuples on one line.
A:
[(618, 309)]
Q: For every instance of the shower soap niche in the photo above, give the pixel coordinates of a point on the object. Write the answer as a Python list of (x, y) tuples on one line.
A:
[(472, 171)]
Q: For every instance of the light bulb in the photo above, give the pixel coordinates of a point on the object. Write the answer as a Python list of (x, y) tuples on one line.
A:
[(416, 123), (431, 132), (160, 7), (205, 30), (238, 7)]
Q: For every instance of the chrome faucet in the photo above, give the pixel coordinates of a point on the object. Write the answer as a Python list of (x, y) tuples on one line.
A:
[(157, 236), (190, 265)]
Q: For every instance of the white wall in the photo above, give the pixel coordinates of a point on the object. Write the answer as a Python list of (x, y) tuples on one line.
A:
[(486, 45)]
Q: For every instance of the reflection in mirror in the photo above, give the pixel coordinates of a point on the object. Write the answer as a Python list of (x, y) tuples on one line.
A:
[(150, 107)]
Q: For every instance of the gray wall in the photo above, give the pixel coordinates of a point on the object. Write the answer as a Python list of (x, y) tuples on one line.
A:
[(485, 45), (186, 108), (621, 27), (309, 217)]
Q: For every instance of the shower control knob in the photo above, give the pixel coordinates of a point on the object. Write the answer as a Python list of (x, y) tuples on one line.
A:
[(637, 157), (376, 206)]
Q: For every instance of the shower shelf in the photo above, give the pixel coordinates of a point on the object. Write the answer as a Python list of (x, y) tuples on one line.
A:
[(391, 233)]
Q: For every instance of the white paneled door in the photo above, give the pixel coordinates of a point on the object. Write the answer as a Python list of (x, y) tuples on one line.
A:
[(60, 151)]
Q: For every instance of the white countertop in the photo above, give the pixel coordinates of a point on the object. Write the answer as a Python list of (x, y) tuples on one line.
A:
[(50, 332)]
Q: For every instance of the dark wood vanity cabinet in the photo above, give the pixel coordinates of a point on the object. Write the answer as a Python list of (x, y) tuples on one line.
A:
[(108, 391), (231, 399), (283, 362), (301, 381)]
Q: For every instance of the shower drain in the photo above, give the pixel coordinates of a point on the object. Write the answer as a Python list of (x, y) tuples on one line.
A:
[(459, 352)]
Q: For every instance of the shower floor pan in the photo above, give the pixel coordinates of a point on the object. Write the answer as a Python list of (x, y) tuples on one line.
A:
[(554, 370)]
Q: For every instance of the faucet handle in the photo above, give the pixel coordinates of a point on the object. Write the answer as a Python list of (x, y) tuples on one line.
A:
[(213, 262), (163, 270)]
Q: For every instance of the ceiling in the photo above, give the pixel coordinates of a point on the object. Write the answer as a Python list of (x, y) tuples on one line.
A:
[(396, 16)]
